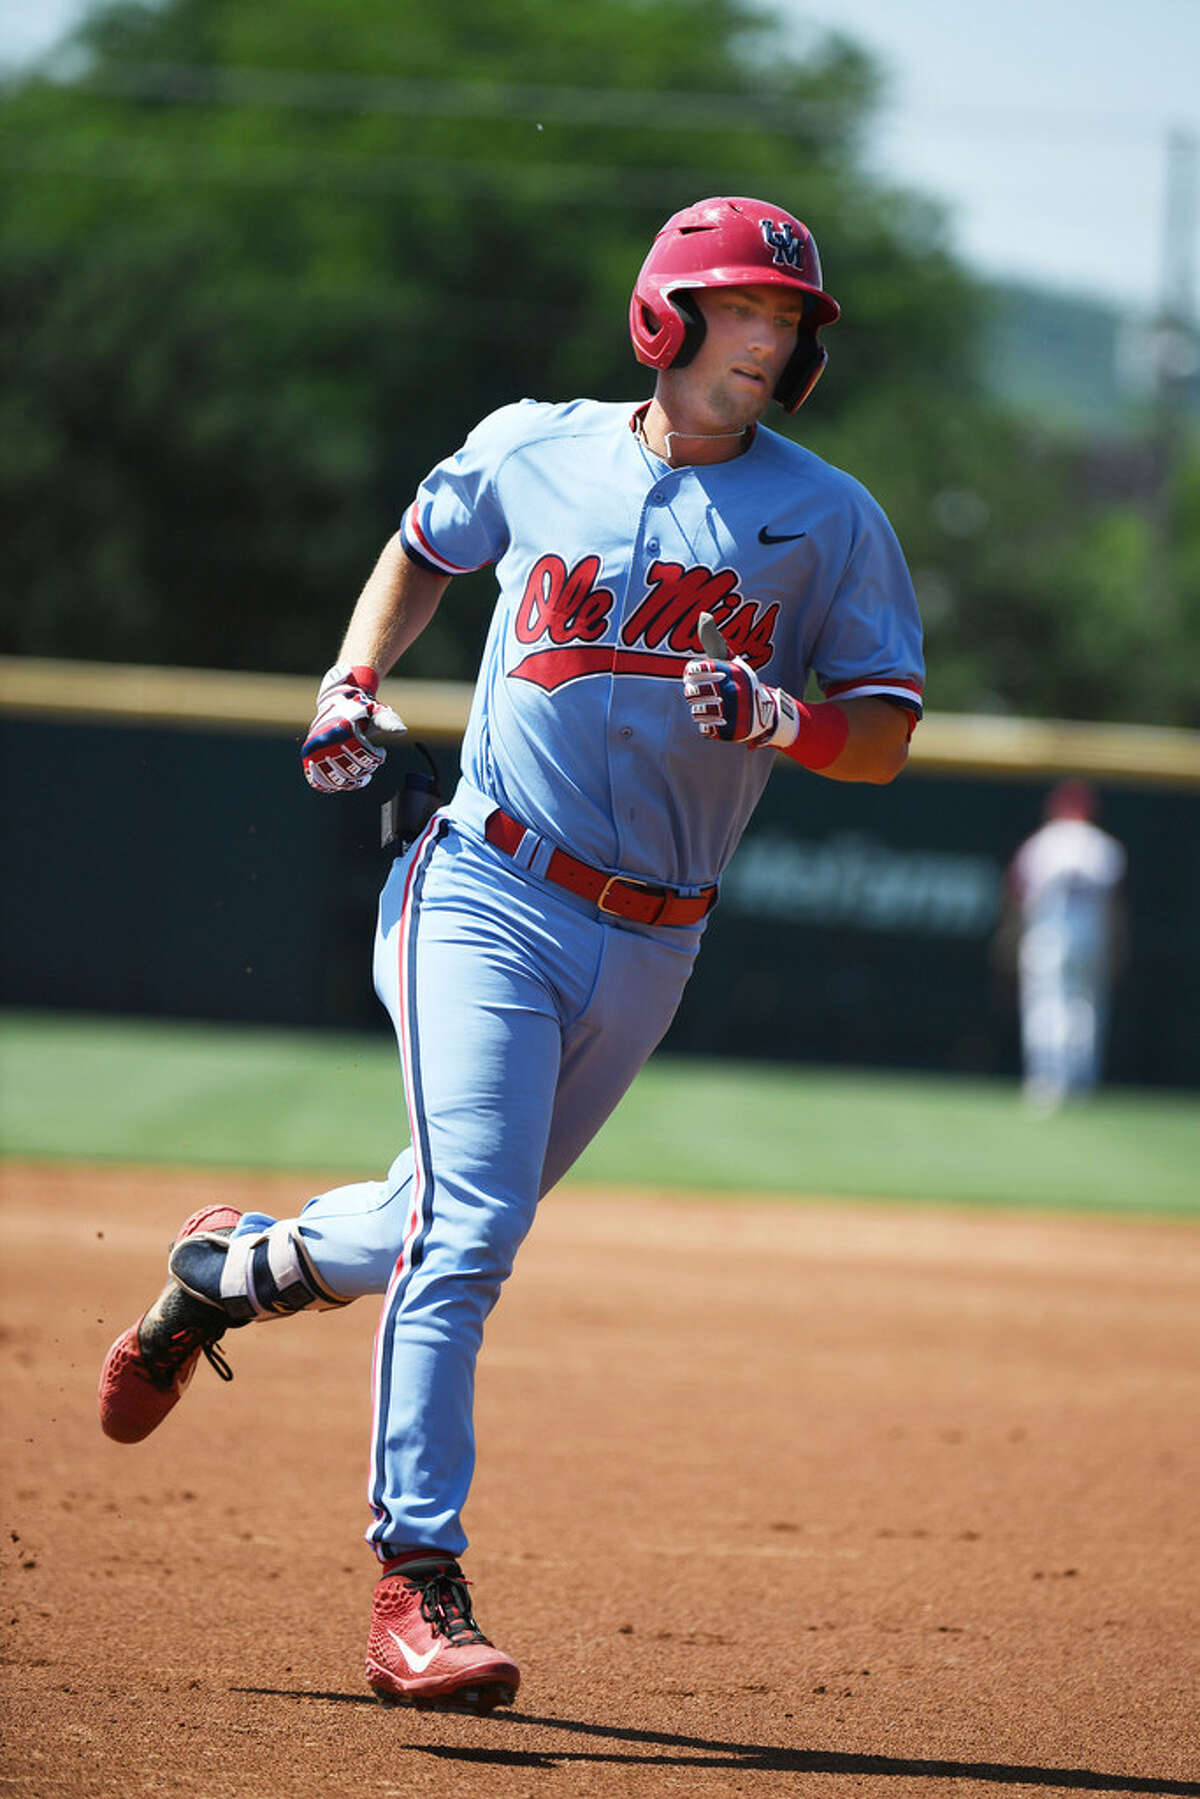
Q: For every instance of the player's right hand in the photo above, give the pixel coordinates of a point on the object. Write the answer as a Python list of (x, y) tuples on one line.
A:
[(727, 700), (338, 754)]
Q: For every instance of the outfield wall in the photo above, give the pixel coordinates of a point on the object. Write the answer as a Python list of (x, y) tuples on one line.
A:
[(165, 858)]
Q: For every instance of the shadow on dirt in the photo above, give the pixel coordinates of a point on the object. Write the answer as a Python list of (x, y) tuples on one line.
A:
[(705, 1754)]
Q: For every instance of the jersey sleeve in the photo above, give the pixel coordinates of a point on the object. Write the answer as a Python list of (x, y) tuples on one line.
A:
[(870, 639), (455, 523)]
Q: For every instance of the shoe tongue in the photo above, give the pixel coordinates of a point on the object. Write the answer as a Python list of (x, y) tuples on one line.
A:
[(422, 1563)]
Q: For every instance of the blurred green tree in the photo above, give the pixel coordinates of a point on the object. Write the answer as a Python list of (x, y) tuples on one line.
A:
[(263, 261)]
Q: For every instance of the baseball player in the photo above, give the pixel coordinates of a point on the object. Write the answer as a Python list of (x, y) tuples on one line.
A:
[(1065, 887), (535, 939)]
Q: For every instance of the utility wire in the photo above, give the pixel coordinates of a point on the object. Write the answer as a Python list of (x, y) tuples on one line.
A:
[(659, 109), (302, 90)]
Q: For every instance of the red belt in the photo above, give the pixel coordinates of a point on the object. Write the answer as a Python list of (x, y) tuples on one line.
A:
[(642, 902)]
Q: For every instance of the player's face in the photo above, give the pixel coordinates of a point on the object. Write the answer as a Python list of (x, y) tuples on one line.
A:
[(750, 332)]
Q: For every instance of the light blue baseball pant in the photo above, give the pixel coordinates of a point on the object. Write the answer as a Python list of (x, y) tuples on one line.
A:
[(521, 1018)]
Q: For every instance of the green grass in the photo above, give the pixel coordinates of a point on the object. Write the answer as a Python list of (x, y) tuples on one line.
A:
[(129, 1090)]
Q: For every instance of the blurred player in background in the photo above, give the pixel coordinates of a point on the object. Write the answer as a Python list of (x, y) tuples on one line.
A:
[(1065, 894)]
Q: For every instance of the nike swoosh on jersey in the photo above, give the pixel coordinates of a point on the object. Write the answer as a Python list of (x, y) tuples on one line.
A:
[(765, 536), (418, 1663)]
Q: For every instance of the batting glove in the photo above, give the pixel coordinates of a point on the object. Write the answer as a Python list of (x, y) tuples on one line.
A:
[(338, 754), (728, 700)]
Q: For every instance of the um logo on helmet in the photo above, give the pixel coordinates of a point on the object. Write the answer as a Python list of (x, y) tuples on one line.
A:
[(787, 248)]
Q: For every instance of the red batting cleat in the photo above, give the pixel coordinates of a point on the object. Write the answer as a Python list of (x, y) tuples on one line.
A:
[(425, 1648), (150, 1364)]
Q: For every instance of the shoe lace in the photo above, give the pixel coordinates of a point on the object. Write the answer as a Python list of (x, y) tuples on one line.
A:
[(165, 1361), (216, 1358), (446, 1607)]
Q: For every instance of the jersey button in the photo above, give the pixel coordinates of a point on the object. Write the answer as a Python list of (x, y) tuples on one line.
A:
[(652, 545), (626, 731)]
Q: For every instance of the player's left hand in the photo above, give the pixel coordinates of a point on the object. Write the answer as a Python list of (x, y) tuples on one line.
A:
[(728, 700), (338, 754)]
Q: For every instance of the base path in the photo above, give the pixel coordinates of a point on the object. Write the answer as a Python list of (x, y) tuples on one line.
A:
[(813, 1498)]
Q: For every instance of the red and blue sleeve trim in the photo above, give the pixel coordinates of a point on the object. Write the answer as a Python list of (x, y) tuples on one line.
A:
[(905, 692), (417, 545)]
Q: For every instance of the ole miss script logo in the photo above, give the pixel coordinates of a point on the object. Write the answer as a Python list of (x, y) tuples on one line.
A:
[(567, 613)]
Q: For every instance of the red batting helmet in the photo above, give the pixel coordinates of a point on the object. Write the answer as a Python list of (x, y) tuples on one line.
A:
[(729, 243)]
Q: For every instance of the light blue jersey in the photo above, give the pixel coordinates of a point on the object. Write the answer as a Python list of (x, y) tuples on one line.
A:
[(605, 558)]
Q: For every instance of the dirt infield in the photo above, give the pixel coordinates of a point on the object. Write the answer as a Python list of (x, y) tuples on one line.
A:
[(822, 1499)]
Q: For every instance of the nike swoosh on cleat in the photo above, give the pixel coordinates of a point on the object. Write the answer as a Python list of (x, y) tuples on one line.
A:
[(418, 1663), (765, 536)]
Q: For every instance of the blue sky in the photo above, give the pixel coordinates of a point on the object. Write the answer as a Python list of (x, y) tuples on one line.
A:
[(1042, 125)]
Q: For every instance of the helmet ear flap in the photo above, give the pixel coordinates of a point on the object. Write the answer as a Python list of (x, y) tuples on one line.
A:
[(802, 371), (693, 328)]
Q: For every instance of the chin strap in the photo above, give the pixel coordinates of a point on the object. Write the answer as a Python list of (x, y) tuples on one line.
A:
[(688, 436)]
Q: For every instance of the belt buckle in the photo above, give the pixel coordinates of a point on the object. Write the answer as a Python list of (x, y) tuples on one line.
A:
[(648, 888), (612, 881)]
